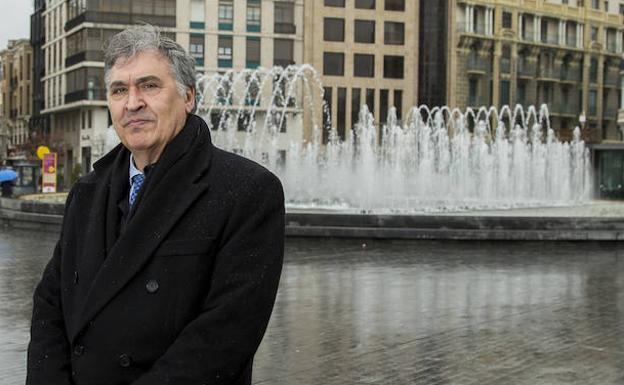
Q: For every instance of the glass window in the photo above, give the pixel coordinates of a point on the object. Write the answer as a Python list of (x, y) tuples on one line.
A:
[(341, 113), (253, 14), (333, 29), (224, 51), (507, 19), (226, 12), (370, 99), (327, 112), (398, 103), (363, 65), (364, 31), (283, 52), (394, 5), (355, 105), (196, 48), (253, 50), (334, 3), (394, 33), (383, 106), (284, 15), (365, 4), (393, 67), (333, 63)]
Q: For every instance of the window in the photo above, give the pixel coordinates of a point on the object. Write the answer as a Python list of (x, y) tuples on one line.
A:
[(393, 67), (363, 65), (370, 100), (394, 5), (394, 33), (593, 98), (341, 113), (333, 63), (226, 15), (284, 17), (252, 53), (595, 4), (383, 106), (283, 52), (364, 31), (504, 92), (327, 112), (507, 20), (594, 33), (333, 29), (621, 9), (196, 48), (253, 17), (365, 4), (355, 106), (398, 103), (334, 3), (473, 92), (224, 52)]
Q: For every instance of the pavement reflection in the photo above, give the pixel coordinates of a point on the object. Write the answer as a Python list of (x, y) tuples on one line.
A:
[(390, 312)]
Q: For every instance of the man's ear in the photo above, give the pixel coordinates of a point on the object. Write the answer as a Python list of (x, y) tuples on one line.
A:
[(189, 99)]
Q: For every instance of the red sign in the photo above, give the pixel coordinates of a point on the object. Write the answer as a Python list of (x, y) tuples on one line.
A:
[(49, 172)]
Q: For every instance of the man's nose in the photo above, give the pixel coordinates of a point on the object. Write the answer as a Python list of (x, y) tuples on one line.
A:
[(135, 99)]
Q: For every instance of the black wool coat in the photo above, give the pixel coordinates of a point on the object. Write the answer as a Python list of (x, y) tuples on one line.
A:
[(182, 293)]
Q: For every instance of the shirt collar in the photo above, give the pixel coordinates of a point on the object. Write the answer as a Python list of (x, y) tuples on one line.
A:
[(132, 171)]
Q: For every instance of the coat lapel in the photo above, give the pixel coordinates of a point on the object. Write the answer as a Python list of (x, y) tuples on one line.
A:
[(174, 185)]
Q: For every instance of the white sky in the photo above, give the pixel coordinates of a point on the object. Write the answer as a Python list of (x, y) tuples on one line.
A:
[(14, 20)]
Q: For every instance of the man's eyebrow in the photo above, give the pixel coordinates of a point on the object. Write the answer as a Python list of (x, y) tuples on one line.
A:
[(148, 78), (117, 83)]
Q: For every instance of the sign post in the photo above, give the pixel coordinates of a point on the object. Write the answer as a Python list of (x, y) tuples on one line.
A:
[(49, 172)]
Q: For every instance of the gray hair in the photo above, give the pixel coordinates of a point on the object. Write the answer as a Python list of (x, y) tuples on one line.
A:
[(132, 41)]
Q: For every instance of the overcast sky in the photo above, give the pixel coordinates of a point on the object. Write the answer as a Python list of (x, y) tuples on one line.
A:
[(14, 20)]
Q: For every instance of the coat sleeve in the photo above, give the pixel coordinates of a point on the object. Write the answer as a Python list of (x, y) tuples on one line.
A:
[(218, 346), (48, 351)]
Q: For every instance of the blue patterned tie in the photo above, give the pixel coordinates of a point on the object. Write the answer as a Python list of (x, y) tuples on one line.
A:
[(137, 182)]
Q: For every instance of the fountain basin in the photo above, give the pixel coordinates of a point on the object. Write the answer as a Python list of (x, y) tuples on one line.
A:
[(593, 221)]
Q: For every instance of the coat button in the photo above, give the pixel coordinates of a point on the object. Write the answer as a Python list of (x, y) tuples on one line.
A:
[(78, 350), (152, 286), (124, 360)]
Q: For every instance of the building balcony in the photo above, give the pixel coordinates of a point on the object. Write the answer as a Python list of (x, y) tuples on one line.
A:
[(505, 65), (547, 74), (478, 66), (92, 94), (610, 113), (84, 56), (611, 79), (120, 18), (570, 75), (526, 70), (569, 109)]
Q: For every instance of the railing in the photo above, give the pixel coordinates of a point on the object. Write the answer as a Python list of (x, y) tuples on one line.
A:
[(526, 69), (569, 109), (570, 75), (92, 94), (611, 79), (547, 73), (549, 39), (478, 64)]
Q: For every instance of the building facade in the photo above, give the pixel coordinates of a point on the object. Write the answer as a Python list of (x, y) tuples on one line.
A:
[(566, 54), (16, 62), (221, 35), (366, 53)]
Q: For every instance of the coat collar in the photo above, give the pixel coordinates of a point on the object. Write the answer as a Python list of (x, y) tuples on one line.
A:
[(175, 183)]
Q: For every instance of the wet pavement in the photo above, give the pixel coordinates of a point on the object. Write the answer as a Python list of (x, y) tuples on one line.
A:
[(417, 312)]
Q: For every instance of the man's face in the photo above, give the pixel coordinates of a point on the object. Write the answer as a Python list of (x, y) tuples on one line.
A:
[(146, 108)]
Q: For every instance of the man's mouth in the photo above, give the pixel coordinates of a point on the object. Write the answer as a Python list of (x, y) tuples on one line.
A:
[(136, 122)]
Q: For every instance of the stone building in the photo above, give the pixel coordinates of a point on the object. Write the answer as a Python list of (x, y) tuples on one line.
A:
[(566, 54), (16, 62), (366, 53)]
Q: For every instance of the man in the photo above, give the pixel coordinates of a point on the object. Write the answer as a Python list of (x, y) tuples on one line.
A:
[(170, 252)]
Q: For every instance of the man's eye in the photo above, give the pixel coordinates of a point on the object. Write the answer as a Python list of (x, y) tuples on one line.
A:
[(149, 86), (119, 91)]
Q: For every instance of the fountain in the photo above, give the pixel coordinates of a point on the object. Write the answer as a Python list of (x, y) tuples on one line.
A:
[(435, 160)]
